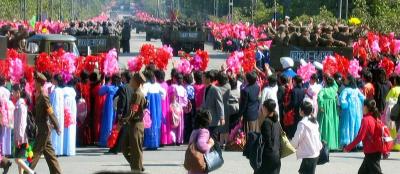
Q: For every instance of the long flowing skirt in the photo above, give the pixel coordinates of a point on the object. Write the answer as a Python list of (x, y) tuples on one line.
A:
[(70, 140), (6, 141), (58, 140), (152, 134)]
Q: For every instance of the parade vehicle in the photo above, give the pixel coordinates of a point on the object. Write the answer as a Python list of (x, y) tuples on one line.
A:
[(183, 38), (139, 26), (309, 54), (88, 45), (153, 31), (47, 43)]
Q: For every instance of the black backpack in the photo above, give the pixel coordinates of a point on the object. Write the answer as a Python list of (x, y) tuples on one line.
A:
[(31, 128), (253, 150)]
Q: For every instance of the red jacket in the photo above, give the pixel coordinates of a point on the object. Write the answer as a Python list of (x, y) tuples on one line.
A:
[(365, 135)]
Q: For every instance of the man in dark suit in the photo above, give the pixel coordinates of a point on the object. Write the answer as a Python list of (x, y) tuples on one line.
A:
[(43, 113), (124, 95), (213, 102)]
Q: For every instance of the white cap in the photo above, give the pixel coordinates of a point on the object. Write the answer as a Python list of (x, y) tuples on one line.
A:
[(303, 62), (286, 62), (318, 66)]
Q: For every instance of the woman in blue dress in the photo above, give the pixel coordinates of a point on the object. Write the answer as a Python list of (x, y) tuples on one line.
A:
[(351, 102), (108, 118), (154, 94)]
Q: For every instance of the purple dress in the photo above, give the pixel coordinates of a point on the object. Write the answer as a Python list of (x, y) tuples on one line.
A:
[(166, 137), (178, 100)]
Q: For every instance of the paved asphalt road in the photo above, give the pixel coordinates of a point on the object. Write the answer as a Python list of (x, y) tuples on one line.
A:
[(169, 160)]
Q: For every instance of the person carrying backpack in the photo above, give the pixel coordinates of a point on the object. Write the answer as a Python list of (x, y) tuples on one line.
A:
[(371, 134), (307, 139)]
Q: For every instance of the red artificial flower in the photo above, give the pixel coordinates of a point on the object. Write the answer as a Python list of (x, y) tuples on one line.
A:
[(387, 65), (44, 63), (148, 52), (248, 60), (342, 64), (162, 58)]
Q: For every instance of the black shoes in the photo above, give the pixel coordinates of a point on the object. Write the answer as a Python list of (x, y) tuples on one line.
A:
[(7, 167)]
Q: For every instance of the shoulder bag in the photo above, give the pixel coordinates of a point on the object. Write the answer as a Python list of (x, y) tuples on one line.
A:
[(214, 158), (194, 159), (286, 148)]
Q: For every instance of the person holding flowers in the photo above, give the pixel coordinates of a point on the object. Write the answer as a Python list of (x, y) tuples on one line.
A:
[(20, 137)]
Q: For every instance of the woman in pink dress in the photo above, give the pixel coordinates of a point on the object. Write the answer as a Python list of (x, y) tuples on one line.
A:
[(166, 138), (178, 100), (199, 89)]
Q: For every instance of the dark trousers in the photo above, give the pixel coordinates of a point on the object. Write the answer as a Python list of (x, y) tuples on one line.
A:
[(43, 146), (132, 146), (214, 132), (125, 46), (371, 164), (308, 166)]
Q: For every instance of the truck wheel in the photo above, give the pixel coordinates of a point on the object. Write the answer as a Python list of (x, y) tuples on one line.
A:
[(148, 38), (201, 46), (175, 50)]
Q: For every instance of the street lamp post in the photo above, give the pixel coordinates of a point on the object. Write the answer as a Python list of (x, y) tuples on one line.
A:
[(340, 8), (60, 10)]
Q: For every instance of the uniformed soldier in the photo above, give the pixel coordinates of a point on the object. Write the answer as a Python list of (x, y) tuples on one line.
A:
[(280, 36), (132, 146), (305, 40), (43, 112)]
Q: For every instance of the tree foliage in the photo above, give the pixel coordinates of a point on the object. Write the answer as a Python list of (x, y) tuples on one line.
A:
[(83, 9)]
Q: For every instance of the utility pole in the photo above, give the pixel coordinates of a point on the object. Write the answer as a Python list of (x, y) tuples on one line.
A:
[(215, 7), (340, 8), (24, 6), (158, 9), (72, 10), (347, 9), (51, 3), (60, 10), (230, 13)]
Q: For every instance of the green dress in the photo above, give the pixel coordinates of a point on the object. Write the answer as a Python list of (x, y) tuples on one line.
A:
[(328, 117)]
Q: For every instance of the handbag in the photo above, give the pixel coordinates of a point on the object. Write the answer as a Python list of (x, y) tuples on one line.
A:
[(323, 154), (194, 159), (286, 148), (214, 158), (147, 119)]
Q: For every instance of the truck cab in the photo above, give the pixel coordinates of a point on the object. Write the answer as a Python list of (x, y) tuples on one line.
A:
[(47, 43)]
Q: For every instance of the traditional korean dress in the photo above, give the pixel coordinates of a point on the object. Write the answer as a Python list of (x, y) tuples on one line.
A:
[(108, 117), (57, 102), (391, 100), (328, 116), (166, 137), (70, 111), (351, 103), (312, 96), (6, 110), (179, 100), (96, 111), (84, 128), (154, 94)]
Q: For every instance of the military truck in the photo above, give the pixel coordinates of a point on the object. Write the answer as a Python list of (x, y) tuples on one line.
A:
[(49, 43), (88, 45), (309, 54), (183, 38), (139, 26), (153, 31)]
